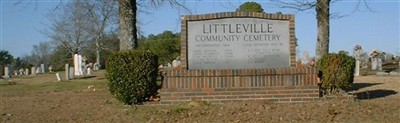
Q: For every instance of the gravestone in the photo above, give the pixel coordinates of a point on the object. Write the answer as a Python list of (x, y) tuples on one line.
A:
[(357, 50), (305, 57), (67, 71), (88, 71), (50, 68), (33, 71), (376, 61), (6, 72), (42, 68), (176, 62), (26, 71), (38, 70), (58, 76), (21, 71), (169, 65), (71, 73)]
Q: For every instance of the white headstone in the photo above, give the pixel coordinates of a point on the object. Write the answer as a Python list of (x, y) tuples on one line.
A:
[(88, 71), (58, 76), (305, 57), (21, 71), (6, 72), (76, 64), (42, 68), (50, 68), (26, 71), (16, 72), (379, 65), (176, 63), (33, 71), (38, 70), (169, 65), (67, 71)]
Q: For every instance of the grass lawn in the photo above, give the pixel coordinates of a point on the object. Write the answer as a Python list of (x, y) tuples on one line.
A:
[(43, 99)]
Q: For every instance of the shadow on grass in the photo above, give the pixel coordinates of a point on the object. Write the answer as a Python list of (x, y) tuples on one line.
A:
[(85, 77), (373, 94), (357, 86)]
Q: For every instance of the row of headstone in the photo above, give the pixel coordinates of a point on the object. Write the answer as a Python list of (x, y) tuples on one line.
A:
[(175, 63)]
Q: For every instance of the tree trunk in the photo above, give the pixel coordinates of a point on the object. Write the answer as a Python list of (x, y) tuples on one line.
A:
[(127, 25), (322, 46), (98, 58)]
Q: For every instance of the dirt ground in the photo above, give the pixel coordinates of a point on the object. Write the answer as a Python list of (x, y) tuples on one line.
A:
[(43, 99)]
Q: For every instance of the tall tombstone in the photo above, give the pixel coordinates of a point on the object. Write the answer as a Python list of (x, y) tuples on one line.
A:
[(67, 71), (58, 76), (33, 71), (76, 64), (38, 70), (26, 71), (357, 55), (71, 73), (6, 72), (42, 68), (80, 65)]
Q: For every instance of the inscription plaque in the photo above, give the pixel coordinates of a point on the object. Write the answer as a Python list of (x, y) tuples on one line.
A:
[(238, 43)]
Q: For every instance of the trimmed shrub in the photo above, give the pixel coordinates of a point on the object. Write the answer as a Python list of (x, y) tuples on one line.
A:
[(337, 71), (132, 75)]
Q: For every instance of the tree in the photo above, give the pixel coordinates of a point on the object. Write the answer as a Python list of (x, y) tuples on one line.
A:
[(323, 15), (165, 45), (41, 53), (69, 29), (250, 7), (128, 30), (5, 57), (101, 16)]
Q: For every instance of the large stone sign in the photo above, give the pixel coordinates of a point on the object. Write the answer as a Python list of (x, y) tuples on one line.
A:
[(242, 42), (238, 56), (238, 43)]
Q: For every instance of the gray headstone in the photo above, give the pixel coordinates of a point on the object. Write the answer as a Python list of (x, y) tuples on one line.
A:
[(394, 73), (71, 73), (38, 70), (26, 71), (357, 69), (42, 68), (382, 73), (379, 64), (364, 57), (6, 72), (67, 71), (374, 63), (33, 71)]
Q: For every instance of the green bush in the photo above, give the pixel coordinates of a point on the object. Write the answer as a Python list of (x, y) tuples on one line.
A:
[(337, 71), (132, 75)]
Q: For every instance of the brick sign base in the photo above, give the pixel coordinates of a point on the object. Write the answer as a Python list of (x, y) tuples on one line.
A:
[(220, 86)]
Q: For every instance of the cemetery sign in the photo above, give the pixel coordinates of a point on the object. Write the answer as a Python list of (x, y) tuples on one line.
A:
[(239, 42)]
